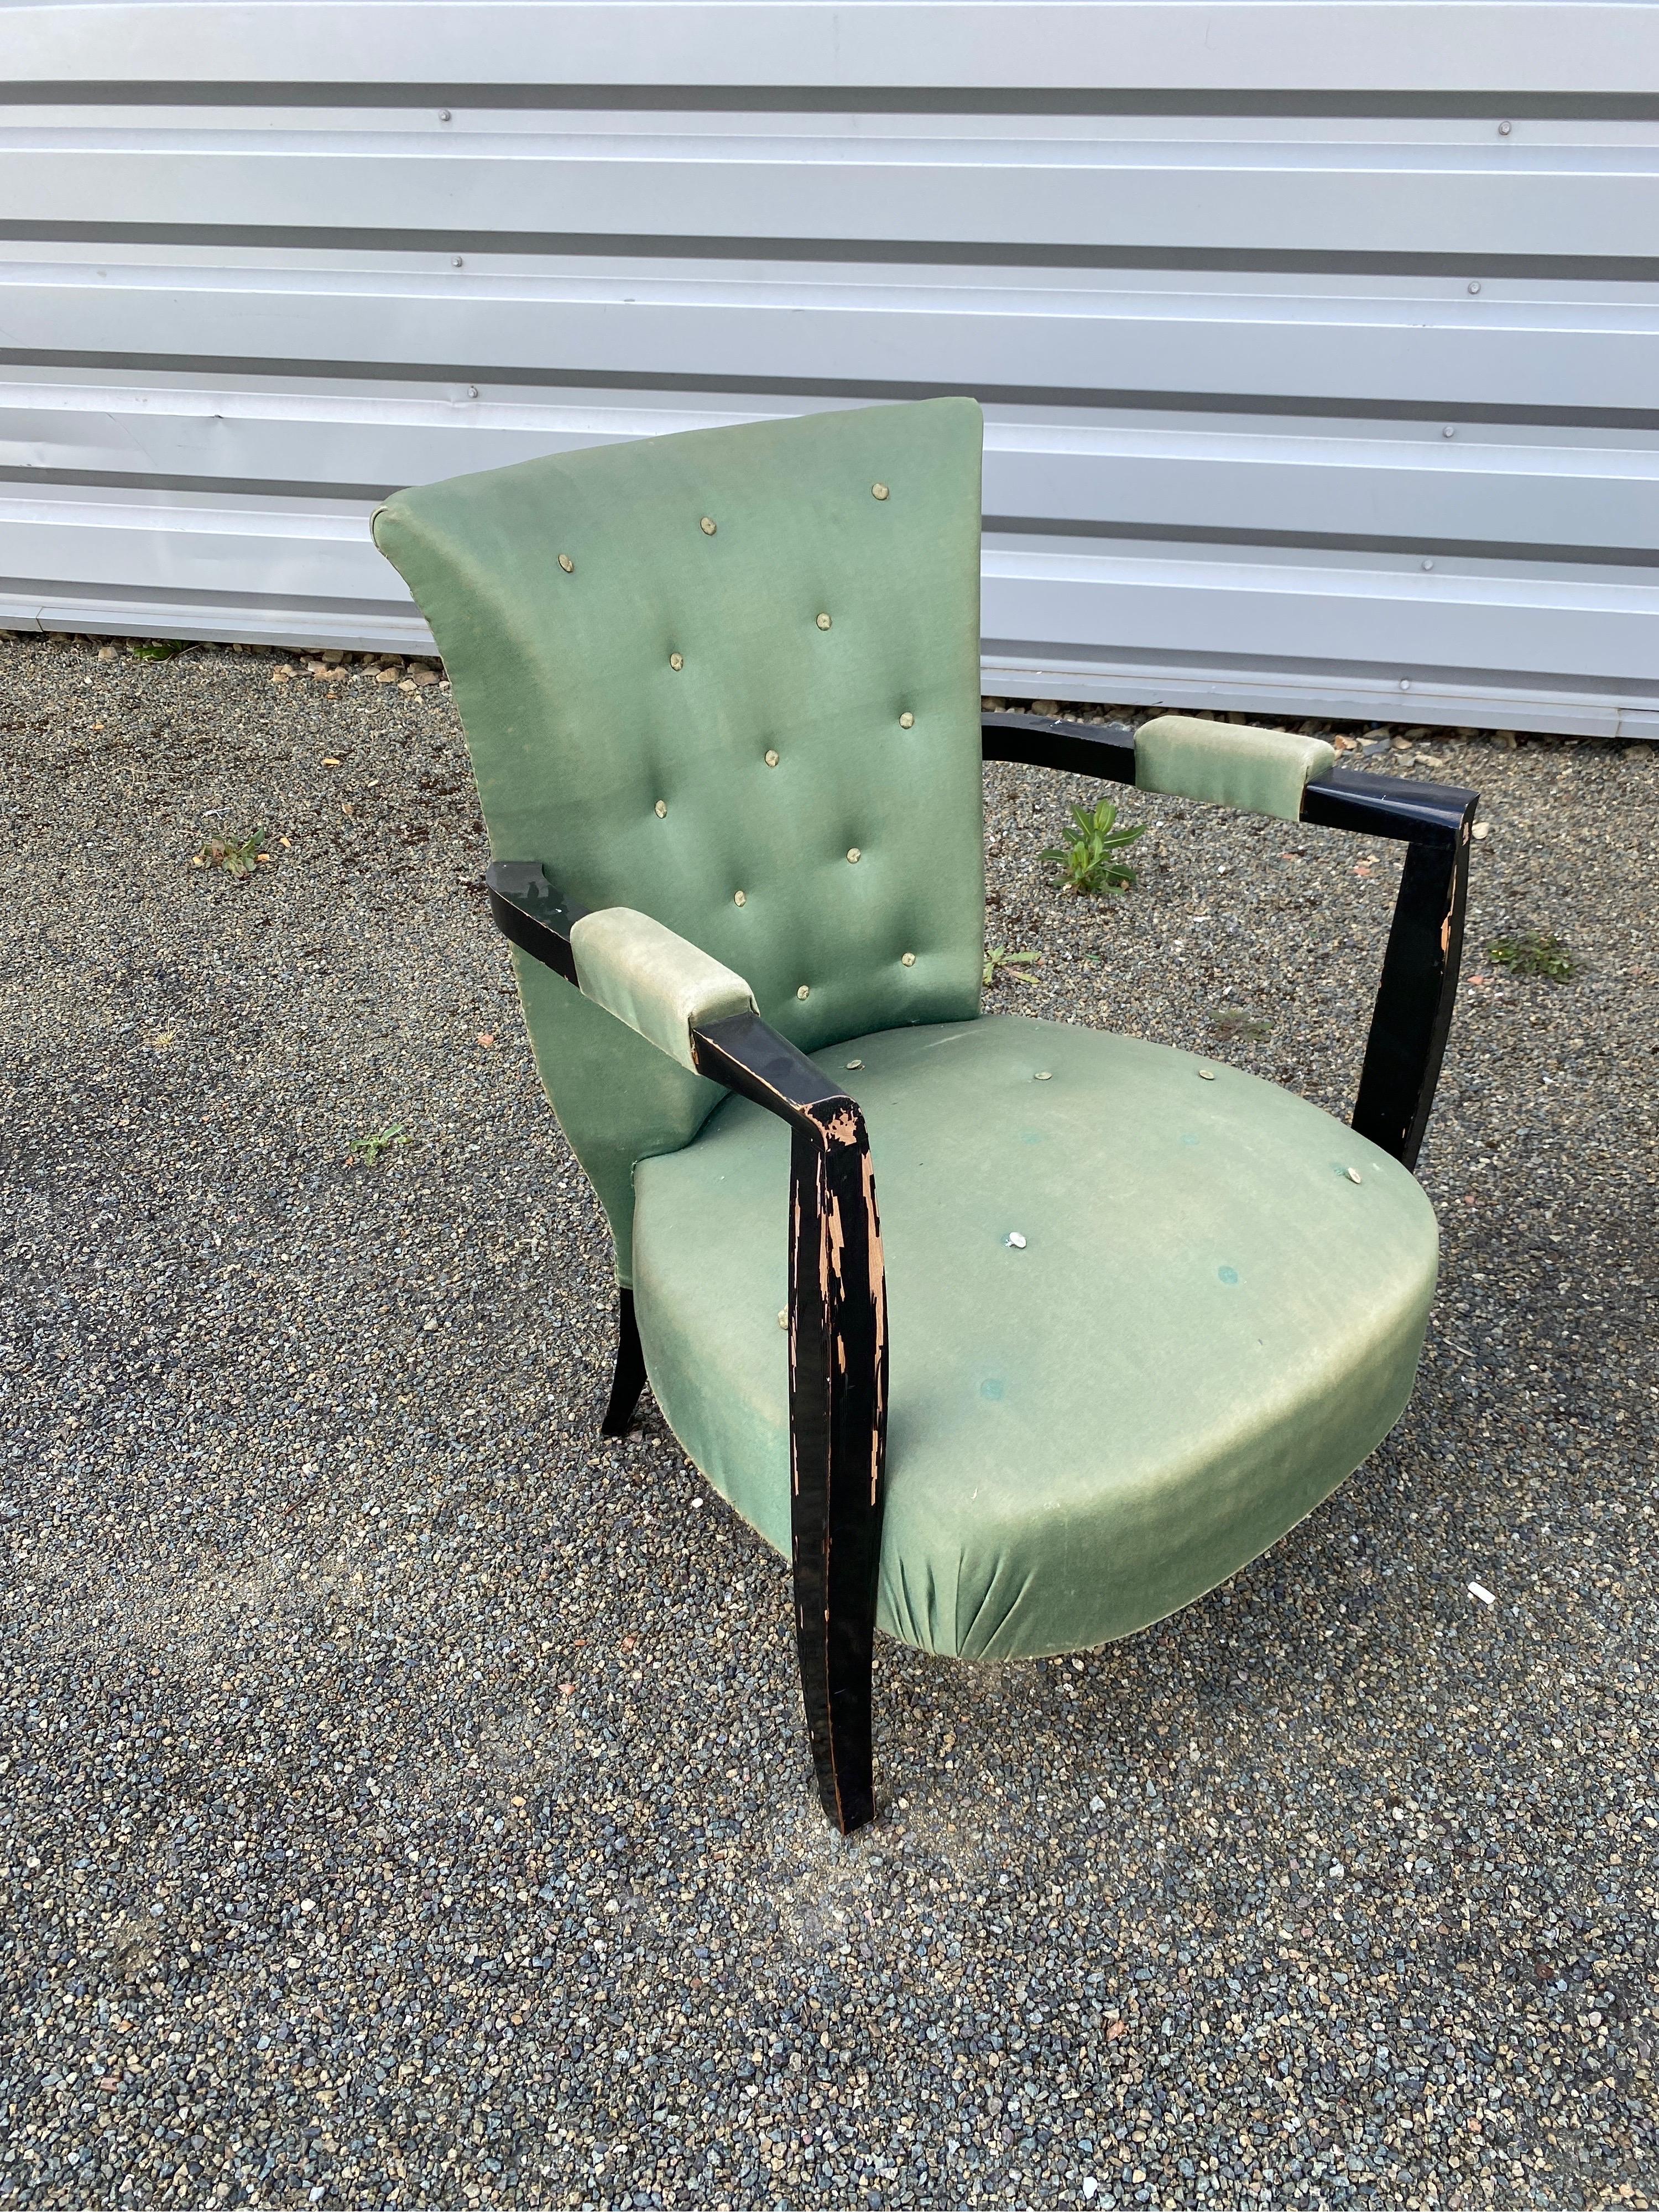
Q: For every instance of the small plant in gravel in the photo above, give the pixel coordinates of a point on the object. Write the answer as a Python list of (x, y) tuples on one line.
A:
[(1233, 1022), (162, 648), (1534, 953), (1085, 861), (1000, 962), (237, 856), (367, 1150)]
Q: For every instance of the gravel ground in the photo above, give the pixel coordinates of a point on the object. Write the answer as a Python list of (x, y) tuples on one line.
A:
[(404, 1800)]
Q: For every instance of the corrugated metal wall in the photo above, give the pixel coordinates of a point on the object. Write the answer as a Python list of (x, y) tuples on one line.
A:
[(1318, 339)]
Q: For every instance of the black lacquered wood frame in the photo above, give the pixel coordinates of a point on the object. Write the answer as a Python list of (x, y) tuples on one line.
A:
[(837, 1318), (1413, 1012)]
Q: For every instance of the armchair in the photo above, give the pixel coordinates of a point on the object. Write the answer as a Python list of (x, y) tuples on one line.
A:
[(722, 689)]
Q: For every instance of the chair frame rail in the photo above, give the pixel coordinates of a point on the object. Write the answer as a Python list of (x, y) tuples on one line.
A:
[(837, 1312)]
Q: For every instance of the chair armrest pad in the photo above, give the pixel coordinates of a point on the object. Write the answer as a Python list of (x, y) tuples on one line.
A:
[(1258, 771), (658, 983)]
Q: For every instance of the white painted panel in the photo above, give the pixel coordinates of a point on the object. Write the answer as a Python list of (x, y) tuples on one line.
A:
[(1314, 481), (1229, 46), (1288, 405), (1088, 190), (887, 332)]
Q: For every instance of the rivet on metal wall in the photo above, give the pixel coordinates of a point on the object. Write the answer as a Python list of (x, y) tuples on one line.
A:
[(662, 810), (878, 491), (804, 991), (823, 622), (771, 760), (740, 898), (567, 564), (854, 854), (1504, 128), (706, 526), (907, 960), (677, 660), (906, 721)]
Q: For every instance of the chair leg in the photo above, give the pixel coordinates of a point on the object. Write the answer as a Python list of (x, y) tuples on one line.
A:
[(838, 1424), (629, 1378)]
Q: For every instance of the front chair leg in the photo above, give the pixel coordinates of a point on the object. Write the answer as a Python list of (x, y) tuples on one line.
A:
[(837, 1443), (629, 1380)]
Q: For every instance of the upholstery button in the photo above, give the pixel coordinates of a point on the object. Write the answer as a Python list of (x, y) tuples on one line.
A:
[(567, 564), (771, 760), (907, 960), (676, 660), (906, 721), (662, 809), (740, 898), (804, 992), (823, 622), (706, 526), (878, 491), (854, 854)]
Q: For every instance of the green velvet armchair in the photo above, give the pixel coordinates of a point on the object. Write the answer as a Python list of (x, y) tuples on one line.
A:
[(721, 694)]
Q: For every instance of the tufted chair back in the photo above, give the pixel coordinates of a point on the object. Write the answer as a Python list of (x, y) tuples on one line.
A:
[(729, 678)]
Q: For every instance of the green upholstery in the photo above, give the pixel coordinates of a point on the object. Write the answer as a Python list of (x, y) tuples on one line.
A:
[(1210, 1324), (1258, 771), (726, 795), (656, 983)]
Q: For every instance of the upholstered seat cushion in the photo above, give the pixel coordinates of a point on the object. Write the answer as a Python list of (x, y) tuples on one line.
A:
[(1215, 1314)]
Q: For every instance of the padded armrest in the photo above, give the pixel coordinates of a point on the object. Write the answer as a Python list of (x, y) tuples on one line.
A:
[(658, 983), (1257, 771)]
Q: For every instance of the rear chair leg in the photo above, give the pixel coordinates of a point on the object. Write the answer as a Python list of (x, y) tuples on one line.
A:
[(629, 1378)]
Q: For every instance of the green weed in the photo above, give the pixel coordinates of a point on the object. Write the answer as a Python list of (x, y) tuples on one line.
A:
[(999, 963), (1085, 861), (237, 856), (367, 1150), (1234, 1022), (1534, 953)]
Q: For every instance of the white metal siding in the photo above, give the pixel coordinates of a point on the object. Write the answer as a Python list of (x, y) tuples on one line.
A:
[(1310, 388)]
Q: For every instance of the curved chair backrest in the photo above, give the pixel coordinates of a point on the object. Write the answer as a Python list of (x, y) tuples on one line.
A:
[(729, 678)]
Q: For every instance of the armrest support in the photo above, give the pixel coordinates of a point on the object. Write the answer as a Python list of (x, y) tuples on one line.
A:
[(1418, 992), (837, 1314), (1230, 763), (662, 986)]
